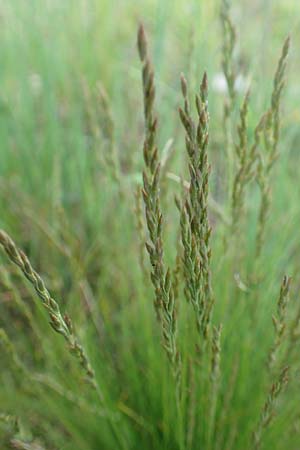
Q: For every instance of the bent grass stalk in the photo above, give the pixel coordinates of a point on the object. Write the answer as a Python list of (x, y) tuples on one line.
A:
[(60, 324), (45, 380)]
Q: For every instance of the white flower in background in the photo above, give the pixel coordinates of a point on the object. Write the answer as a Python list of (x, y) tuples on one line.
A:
[(219, 83)]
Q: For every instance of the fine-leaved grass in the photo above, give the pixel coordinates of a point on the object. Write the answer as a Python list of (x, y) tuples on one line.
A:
[(150, 227)]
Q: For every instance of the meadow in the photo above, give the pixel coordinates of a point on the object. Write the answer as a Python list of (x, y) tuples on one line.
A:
[(149, 227)]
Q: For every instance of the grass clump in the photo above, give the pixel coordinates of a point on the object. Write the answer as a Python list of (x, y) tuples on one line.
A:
[(171, 344)]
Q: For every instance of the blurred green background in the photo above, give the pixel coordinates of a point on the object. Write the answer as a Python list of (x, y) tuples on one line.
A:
[(53, 54)]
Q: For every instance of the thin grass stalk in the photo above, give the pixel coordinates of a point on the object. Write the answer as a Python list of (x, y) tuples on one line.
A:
[(101, 127), (76, 399), (22, 306), (233, 432), (45, 380), (60, 324), (192, 407), (215, 373), (225, 410)]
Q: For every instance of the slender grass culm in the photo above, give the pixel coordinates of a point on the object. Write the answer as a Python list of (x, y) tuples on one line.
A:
[(182, 337)]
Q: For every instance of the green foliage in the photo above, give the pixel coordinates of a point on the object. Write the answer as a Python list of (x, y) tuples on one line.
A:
[(179, 338)]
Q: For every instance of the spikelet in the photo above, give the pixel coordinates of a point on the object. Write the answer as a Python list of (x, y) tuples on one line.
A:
[(279, 321), (138, 212)]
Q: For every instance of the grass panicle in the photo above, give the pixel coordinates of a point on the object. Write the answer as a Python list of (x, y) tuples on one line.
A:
[(270, 137), (228, 47), (269, 407), (60, 324), (100, 128), (160, 274), (246, 158), (195, 227), (107, 127), (278, 85), (279, 321), (293, 336)]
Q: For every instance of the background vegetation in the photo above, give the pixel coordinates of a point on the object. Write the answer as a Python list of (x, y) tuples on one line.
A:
[(71, 162)]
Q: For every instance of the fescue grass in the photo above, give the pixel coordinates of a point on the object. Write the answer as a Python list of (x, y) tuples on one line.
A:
[(150, 205)]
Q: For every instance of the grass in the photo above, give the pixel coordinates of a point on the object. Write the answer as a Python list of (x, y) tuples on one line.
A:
[(171, 244)]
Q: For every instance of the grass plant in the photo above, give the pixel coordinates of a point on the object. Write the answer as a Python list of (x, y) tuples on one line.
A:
[(160, 213)]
